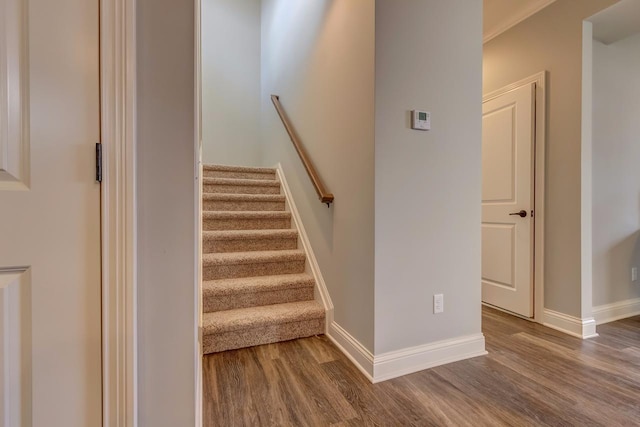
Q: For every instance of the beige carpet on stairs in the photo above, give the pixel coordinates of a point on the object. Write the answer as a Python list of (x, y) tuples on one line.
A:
[(255, 290)]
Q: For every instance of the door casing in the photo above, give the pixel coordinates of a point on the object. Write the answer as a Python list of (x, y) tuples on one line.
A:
[(118, 210), (539, 184)]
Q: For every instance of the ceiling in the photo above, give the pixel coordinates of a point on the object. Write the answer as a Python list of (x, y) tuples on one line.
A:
[(617, 22), (500, 15)]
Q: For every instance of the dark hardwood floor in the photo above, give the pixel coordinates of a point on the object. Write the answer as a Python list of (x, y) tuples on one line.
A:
[(532, 376)]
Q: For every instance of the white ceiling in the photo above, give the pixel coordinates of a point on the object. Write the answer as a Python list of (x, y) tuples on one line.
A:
[(500, 15), (617, 22)]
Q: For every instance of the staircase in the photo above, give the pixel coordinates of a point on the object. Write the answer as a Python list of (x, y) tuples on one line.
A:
[(255, 288)]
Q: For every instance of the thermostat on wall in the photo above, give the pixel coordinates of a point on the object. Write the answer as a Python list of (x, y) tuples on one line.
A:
[(420, 120)]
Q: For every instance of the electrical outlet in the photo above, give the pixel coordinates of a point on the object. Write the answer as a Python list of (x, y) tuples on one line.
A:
[(634, 274), (438, 303)]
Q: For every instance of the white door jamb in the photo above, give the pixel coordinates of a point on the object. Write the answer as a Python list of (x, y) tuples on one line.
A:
[(118, 209), (198, 210)]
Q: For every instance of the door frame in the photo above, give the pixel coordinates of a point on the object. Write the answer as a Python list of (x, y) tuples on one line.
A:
[(198, 207), (540, 80), (118, 210)]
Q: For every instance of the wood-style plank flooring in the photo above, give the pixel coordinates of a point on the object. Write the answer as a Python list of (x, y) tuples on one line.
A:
[(532, 376)]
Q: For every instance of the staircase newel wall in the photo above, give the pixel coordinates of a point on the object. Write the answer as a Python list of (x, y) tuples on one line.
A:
[(428, 183)]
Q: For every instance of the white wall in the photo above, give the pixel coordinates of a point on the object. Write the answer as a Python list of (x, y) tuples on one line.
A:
[(551, 40), (165, 202), (231, 82), (427, 184), (616, 175), (319, 57)]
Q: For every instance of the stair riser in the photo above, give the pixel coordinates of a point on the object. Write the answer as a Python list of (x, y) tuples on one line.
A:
[(217, 246), (246, 224), (263, 335), (249, 270), (239, 175), (223, 205), (213, 302), (240, 189)]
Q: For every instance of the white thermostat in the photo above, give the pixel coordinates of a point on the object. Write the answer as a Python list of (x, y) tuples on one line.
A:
[(420, 120)]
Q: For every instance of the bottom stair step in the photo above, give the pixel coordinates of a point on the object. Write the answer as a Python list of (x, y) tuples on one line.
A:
[(246, 327), (230, 294)]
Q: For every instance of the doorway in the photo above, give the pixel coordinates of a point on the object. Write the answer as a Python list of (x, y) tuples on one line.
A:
[(611, 40), (513, 197)]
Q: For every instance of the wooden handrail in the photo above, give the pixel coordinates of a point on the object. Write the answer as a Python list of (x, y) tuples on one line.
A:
[(325, 196)]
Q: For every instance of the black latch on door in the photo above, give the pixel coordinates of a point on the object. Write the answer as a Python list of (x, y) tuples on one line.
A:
[(99, 162)]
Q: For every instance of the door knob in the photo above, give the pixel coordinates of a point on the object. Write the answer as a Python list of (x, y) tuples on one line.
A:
[(521, 214)]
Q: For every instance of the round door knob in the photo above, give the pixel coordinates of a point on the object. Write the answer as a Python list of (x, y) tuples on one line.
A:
[(521, 214)]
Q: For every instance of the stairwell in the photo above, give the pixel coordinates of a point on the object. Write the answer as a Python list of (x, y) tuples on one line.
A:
[(255, 286)]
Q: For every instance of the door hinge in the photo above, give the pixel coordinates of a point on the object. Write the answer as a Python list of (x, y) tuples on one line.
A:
[(99, 162)]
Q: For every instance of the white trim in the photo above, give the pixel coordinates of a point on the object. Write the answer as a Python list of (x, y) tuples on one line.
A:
[(574, 326), (14, 96), (540, 191), (351, 347), (119, 284), (515, 20), (406, 361), (540, 80), (198, 213), (321, 287), (586, 183), (615, 311)]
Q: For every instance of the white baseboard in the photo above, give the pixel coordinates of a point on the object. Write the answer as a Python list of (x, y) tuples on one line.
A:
[(406, 361), (389, 365), (616, 311), (321, 291), (581, 328), (351, 347)]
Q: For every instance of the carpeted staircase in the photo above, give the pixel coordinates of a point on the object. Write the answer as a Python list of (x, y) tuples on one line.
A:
[(255, 288)]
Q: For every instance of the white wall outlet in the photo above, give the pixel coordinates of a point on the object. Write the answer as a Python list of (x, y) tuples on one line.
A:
[(438, 303), (634, 274)]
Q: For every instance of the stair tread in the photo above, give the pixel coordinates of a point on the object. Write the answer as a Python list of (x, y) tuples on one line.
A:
[(253, 257), (228, 168), (274, 300), (244, 197), (245, 214), (242, 182), (249, 234), (256, 284), (255, 317)]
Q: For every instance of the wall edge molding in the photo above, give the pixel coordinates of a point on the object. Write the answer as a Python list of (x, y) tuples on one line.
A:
[(606, 313), (581, 328), (320, 285), (353, 349), (413, 359), (515, 20)]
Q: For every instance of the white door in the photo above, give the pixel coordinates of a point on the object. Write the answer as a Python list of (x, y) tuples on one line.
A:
[(507, 200), (50, 356)]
